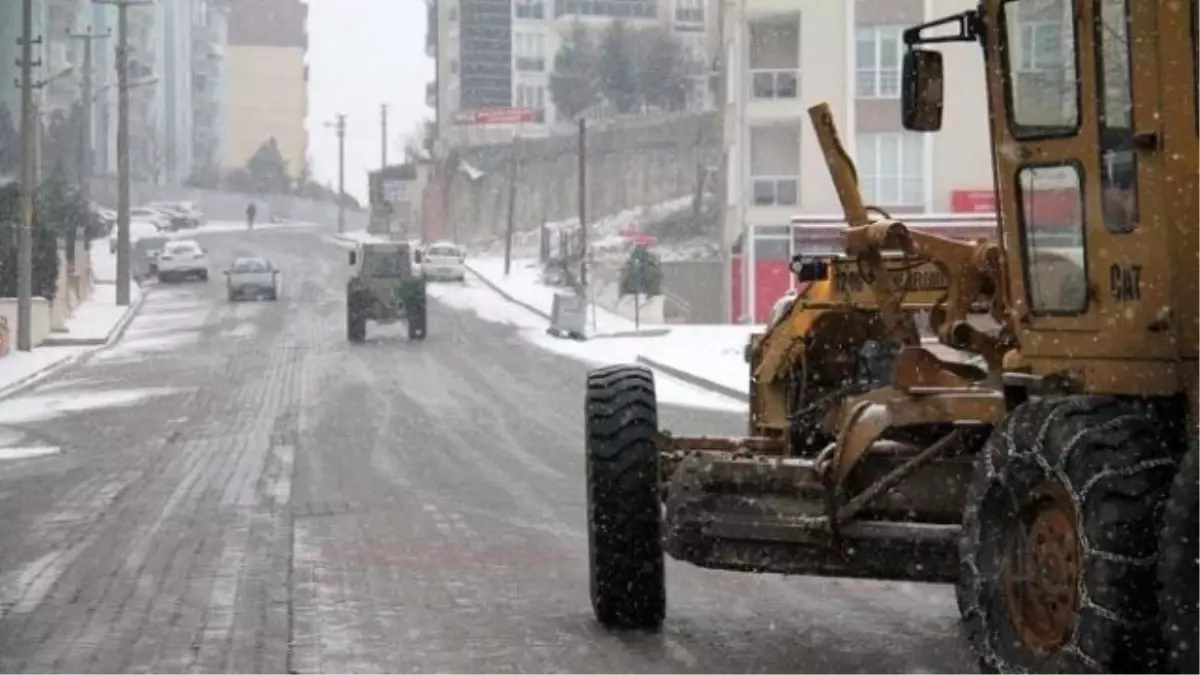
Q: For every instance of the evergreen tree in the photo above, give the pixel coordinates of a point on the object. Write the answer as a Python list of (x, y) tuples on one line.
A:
[(268, 170), (618, 77), (573, 82), (664, 69)]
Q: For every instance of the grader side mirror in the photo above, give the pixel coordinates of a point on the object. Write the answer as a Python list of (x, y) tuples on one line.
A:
[(921, 90), (353, 257)]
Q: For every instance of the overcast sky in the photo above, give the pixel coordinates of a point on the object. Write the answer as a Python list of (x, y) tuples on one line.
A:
[(363, 53)]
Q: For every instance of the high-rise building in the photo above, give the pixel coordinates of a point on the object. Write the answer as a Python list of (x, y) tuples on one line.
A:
[(483, 45), (210, 86), (267, 81)]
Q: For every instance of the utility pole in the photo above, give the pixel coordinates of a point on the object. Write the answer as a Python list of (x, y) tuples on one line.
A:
[(25, 233), (86, 151), (583, 227), (123, 252), (340, 127), (383, 136), (513, 172)]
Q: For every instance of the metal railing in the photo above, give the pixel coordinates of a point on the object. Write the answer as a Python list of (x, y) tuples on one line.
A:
[(774, 83)]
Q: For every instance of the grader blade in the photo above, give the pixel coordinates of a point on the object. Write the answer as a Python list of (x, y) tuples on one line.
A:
[(759, 513)]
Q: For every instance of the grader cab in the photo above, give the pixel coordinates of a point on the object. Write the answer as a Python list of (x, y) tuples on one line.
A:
[(1056, 486)]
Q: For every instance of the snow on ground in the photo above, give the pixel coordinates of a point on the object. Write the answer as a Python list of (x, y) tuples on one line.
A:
[(93, 321), (20, 367), (712, 352), (490, 306), (98, 317), (240, 225), (40, 407)]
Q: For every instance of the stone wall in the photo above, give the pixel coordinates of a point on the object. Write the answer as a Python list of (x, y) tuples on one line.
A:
[(629, 163), (221, 205)]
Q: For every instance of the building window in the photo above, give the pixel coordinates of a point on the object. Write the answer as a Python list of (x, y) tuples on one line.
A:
[(689, 12), (877, 55), (529, 52), (775, 165), (1040, 44), (891, 169), (530, 9), (640, 9), (533, 96)]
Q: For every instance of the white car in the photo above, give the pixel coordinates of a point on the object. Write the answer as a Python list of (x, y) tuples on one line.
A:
[(252, 278), (444, 260), (137, 230), (182, 258), (160, 219)]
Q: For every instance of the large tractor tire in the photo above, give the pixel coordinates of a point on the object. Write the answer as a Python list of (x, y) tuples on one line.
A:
[(414, 311), (1178, 569), (1060, 539), (356, 317), (625, 550)]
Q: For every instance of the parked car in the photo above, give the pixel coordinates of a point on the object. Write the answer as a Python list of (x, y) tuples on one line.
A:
[(184, 213), (444, 260), (138, 229), (145, 255), (161, 220), (181, 259), (176, 219), (252, 277)]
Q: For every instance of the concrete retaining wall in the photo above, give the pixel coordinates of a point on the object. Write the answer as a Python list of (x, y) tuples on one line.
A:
[(628, 164)]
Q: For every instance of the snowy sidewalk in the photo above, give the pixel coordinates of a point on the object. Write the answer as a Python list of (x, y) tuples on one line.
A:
[(96, 322), (709, 356)]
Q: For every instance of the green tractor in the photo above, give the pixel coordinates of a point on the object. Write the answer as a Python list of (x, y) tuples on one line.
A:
[(387, 286)]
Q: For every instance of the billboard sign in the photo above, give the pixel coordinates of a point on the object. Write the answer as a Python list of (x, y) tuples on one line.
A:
[(495, 116)]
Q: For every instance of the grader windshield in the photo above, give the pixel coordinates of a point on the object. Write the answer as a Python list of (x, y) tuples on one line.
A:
[(1093, 126)]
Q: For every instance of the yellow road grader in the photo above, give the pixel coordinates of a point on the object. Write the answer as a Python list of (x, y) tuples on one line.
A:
[(1056, 484)]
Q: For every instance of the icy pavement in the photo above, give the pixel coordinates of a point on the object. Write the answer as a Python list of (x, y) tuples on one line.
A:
[(291, 502)]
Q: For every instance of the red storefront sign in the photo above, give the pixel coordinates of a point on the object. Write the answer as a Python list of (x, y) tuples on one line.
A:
[(972, 201)]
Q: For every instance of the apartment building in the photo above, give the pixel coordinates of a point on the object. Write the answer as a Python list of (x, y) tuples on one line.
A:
[(786, 55), (210, 95), (535, 31), (267, 81)]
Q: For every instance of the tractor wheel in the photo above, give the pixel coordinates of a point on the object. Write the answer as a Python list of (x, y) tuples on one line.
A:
[(414, 310), (356, 318), (625, 547), (1178, 569), (1060, 538)]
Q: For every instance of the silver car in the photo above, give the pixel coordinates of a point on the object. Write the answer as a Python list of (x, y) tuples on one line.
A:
[(252, 277)]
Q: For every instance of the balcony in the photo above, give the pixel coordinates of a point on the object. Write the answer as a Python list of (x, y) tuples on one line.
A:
[(775, 190), (431, 94)]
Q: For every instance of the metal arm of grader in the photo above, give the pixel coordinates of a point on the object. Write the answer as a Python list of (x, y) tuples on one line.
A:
[(972, 269)]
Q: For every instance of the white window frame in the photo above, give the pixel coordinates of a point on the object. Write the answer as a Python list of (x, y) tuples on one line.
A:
[(1027, 40), (873, 179), (529, 9), (532, 96), (689, 12), (529, 52), (778, 183), (874, 72)]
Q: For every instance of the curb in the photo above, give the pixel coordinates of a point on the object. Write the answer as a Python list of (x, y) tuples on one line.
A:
[(504, 294), (695, 380), (115, 334)]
